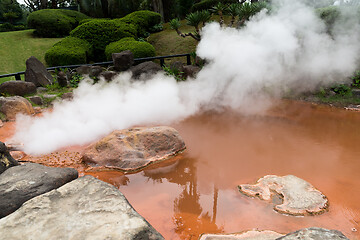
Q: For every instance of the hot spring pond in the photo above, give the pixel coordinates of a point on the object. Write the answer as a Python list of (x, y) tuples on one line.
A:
[(197, 192)]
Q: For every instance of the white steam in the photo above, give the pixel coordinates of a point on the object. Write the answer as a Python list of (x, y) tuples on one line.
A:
[(288, 49)]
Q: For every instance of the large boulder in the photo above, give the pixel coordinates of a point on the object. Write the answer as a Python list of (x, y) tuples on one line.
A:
[(21, 183), (36, 73), (123, 60), (314, 233), (134, 149), (19, 88), (11, 106), (85, 208), (6, 160), (145, 69), (298, 196)]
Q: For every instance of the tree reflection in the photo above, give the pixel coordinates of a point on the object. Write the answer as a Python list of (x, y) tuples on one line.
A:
[(189, 218)]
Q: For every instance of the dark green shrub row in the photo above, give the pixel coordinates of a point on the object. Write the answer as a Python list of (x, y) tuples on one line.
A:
[(69, 51), (8, 27), (207, 4), (99, 33), (139, 49), (143, 20), (54, 22)]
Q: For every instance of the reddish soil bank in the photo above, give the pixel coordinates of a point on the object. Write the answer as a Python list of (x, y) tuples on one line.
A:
[(198, 192)]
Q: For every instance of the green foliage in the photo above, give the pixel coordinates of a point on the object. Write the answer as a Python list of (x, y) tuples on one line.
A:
[(356, 79), (99, 33), (156, 28), (174, 72), (108, 8), (342, 90), (54, 22), (207, 4), (142, 20), (10, 11), (139, 49), (8, 27), (75, 80), (329, 15), (69, 51), (247, 10), (175, 24)]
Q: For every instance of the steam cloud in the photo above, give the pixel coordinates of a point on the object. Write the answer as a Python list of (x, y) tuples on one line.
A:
[(286, 50)]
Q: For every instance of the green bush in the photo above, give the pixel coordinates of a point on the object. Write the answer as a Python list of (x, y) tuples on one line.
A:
[(207, 4), (139, 49), (8, 27), (143, 20), (329, 15), (69, 51), (99, 33), (54, 22)]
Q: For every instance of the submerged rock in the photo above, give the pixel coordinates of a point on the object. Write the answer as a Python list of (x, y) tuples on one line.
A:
[(21, 183), (299, 197), (86, 208), (145, 70), (314, 234), (248, 235), (6, 160), (133, 149), (11, 106)]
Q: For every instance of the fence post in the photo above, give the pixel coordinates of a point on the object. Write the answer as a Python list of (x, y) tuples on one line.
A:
[(18, 77), (162, 62), (188, 59)]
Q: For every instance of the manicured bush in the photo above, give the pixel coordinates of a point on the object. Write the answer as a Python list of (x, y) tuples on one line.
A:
[(69, 51), (99, 33), (139, 49), (54, 22), (143, 20), (8, 27), (207, 4)]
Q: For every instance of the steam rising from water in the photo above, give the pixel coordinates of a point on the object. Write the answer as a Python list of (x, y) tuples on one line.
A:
[(287, 50)]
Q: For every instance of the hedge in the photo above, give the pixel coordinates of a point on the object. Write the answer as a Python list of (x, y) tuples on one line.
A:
[(69, 51), (99, 33), (207, 4), (139, 49), (54, 22), (143, 20)]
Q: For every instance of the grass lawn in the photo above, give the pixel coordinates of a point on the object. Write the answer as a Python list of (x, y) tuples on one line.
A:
[(16, 47), (168, 42)]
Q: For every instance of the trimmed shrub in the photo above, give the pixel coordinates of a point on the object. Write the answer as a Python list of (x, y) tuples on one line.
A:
[(69, 51), (329, 15), (139, 49), (207, 4), (99, 33), (54, 22), (143, 20), (8, 27)]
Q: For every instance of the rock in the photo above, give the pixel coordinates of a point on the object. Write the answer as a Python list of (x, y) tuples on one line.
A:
[(108, 75), (11, 106), (49, 98), (36, 73), (19, 88), (123, 60), (298, 196), (62, 79), (6, 160), (133, 149), (1, 123), (36, 100), (83, 70), (248, 235), (314, 234), (95, 71), (145, 69), (85, 208), (355, 93), (18, 155), (177, 66), (68, 96), (190, 71), (41, 89), (21, 183)]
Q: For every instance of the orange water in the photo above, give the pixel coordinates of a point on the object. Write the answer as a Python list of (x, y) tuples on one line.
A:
[(198, 192)]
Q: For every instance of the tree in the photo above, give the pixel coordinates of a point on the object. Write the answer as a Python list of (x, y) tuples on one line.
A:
[(10, 11)]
